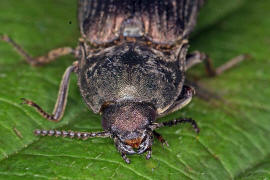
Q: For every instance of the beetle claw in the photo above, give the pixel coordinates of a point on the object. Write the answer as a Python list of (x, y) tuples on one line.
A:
[(126, 159), (149, 154), (165, 143), (5, 38), (24, 101), (161, 139)]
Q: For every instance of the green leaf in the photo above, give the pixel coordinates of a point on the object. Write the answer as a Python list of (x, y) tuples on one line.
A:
[(235, 132)]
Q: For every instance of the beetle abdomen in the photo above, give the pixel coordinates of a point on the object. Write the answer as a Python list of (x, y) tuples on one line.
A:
[(130, 72), (162, 22)]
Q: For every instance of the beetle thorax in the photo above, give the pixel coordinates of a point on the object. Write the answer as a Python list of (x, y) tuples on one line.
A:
[(127, 116), (129, 119)]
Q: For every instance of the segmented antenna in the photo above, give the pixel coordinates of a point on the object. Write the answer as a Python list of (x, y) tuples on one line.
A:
[(72, 134)]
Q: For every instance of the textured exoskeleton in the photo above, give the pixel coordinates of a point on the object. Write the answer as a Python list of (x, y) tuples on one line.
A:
[(131, 63), (141, 50), (161, 22)]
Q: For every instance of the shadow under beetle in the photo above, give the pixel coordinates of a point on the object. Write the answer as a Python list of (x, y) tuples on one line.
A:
[(131, 63)]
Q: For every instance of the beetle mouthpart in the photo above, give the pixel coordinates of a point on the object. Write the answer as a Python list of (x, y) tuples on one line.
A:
[(135, 143)]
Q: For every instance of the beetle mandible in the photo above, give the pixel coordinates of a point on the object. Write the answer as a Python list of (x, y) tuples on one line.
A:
[(131, 64)]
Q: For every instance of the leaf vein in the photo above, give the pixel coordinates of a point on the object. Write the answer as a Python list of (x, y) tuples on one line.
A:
[(24, 174), (213, 154), (89, 158), (177, 169)]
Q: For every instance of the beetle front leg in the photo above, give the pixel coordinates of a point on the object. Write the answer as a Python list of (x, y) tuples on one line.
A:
[(119, 147), (149, 153), (160, 139), (125, 158), (41, 60), (123, 155), (198, 57), (175, 122), (60, 104)]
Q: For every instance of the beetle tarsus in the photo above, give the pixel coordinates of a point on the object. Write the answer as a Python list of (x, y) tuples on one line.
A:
[(148, 154), (160, 139), (38, 109), (126, 159), (60, 104)]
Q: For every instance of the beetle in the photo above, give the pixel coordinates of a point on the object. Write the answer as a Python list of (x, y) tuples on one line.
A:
[(131, 64)]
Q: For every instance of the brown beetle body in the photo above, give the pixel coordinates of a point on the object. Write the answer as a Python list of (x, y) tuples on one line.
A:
[(161, 22), (136, 70), (131, 63), (132, 72)]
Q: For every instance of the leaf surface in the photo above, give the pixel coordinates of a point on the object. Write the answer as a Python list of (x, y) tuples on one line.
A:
[(235, 132)]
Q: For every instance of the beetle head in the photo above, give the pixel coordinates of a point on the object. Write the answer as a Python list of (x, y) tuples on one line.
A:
[(129, 124)]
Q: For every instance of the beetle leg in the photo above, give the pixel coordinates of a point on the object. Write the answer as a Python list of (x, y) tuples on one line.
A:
[(175, 122), (149, 153), (60, 105), (126, 159), (41, 60), (184, 98), (72, 134), (160, 138), (231, 63), (198, 57), (118, 147)]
